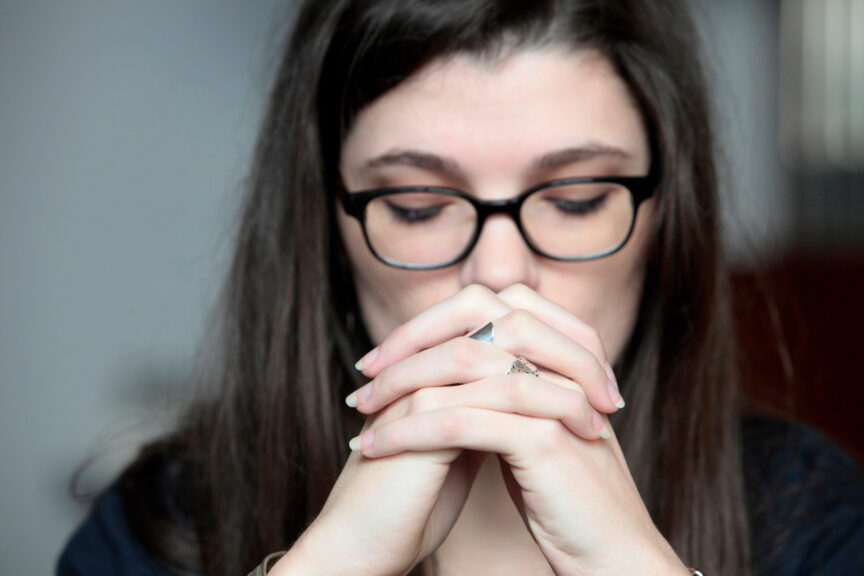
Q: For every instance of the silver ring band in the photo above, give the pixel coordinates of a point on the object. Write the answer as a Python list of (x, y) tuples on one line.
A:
[(486, 333)]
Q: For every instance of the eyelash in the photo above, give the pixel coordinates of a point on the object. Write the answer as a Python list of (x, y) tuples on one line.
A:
[(579, 207), (413, 214)]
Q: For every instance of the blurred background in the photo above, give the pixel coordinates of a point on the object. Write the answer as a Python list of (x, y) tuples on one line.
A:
[(125, 132)]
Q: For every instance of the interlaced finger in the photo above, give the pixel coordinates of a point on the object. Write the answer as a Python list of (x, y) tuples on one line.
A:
[(455, 361), (522, 394), (462, 359), (521, 297), (455, 316), (523, 334), (461, 427)]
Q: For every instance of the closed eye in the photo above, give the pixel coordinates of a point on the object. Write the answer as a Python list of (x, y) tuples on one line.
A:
[(579, 207), (413, 214)]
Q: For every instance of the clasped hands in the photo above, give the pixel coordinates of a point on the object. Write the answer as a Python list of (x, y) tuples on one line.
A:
[(438, 399)]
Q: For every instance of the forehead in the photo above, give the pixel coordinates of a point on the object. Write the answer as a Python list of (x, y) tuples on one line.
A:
[(497, 114)]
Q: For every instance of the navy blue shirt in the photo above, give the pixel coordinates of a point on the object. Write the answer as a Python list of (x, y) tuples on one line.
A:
[(805, 497)]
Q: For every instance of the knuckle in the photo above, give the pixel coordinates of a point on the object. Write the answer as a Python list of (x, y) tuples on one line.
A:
[(519, 320), (516, 293), (452, 426), (421, 401), (477, 293), (548, 436)]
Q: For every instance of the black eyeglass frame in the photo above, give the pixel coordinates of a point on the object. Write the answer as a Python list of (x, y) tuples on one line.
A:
[(640, 187)]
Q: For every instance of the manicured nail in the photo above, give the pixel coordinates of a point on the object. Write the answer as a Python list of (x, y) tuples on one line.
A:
[(606, 433), (359, 396), (367, 360), (362, 441), (351, 400), (614, 394), (354, 444)]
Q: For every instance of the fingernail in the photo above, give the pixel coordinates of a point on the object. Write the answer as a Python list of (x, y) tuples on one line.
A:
[(359, 396), (368, 439), (354, 444), (367, 360), (614, 394), (351, 400), (606, 433)]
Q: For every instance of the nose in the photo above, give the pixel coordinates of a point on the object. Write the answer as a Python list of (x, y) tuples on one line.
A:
[(501, 257)]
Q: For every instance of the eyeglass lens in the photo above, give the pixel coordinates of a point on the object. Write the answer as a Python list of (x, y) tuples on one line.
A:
[(569, 222)]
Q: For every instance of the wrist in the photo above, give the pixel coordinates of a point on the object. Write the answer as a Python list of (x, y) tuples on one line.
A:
[(662, 561), (315, 553), (298, 561), (289, 565), (654, 558)]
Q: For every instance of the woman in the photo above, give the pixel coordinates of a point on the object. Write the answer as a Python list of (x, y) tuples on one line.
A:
[(507, 211)]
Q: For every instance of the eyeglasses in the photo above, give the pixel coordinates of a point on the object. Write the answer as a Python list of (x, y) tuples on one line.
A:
[(569, 220)]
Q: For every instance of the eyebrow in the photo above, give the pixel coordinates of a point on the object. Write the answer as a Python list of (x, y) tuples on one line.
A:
[(578, 154), (449, 167), (417, 159)]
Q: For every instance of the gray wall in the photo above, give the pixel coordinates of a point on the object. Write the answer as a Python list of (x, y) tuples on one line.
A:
[(741, 53), (125, 129)]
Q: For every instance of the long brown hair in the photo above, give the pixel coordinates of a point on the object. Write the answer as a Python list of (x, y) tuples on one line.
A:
[(257, 455)]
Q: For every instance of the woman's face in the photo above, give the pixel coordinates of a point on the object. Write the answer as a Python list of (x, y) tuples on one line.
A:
[(493, 130)]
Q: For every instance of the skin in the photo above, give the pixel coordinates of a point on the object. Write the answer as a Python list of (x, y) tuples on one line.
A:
[(492, 473), (494, 120)]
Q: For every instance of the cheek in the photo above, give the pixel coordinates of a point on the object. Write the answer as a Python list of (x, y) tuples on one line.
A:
[(389, 296), (606, 293), (627, 281)]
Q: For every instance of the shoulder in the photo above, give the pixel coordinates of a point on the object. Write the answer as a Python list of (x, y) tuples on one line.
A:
[(805, 498), (109, 540), (104, 544)]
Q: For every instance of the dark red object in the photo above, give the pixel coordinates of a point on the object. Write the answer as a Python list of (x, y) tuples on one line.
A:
[(801, 327)]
